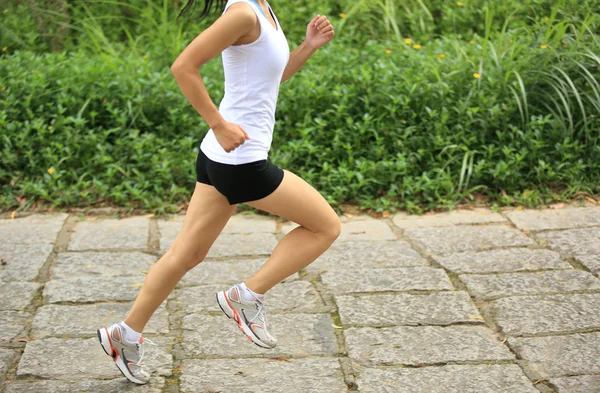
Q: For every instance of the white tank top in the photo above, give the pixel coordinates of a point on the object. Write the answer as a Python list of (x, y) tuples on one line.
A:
[(252, 77)]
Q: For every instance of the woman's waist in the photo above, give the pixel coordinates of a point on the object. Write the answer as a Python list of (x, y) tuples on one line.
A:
[(249, 104), (252, 119)]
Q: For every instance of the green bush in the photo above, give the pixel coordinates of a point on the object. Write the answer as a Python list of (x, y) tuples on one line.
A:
[(387, 125), (463, 100)]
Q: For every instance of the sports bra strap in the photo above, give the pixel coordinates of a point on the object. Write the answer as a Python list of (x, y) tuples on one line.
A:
[(259, 7)]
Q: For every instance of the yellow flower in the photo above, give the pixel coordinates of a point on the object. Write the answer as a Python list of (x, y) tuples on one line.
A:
[(50, 127), (342, 15), (476, 76), (404, 122), (417, 46), (511, 41), (545, 18), (3, 88), (4, 49), (50, 170), (407, 41), (592, 116), (472, 42), (5, 11), (441, 56), (459, 3), (544, 46), (388, 51), (145, 57)]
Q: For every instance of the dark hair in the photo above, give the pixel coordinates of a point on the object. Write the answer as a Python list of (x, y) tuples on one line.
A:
[(208, 5)]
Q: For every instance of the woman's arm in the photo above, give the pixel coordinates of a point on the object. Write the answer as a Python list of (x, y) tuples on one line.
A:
[(238, 21), (318, 32)]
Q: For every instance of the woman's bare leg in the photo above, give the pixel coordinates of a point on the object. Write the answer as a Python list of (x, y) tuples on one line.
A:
[(297, 201), (206, 216)]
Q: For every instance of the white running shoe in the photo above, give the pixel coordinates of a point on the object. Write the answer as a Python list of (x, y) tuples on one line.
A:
[(250, 316), (127, 356)]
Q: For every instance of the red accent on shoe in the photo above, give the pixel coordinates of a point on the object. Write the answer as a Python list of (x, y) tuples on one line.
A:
[(236, 316), (234, 296), (114, 352)]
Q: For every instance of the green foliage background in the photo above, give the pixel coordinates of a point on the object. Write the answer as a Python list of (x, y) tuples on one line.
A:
[(417, 104)]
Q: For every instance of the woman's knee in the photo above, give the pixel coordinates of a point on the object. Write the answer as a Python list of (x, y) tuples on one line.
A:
[(186, 258), (333, 228)]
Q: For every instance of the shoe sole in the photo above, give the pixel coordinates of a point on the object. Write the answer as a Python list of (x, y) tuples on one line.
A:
[(110, 351), (233, 314)]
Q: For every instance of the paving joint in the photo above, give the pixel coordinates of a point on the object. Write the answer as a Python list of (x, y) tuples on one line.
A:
[(336, 322), (59, 245)]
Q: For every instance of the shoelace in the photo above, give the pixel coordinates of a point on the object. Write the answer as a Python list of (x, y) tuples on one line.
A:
[(261, 313), (141, 350)]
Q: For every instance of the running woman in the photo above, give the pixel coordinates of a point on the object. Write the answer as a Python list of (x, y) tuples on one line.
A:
[(232, 168)]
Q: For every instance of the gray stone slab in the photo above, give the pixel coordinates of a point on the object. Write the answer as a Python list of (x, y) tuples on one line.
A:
[(454, 217), (240, 244), (528, 315), (442, 308), (357, 228), (107, 234), (424, 345), (91, 386), (240, 223), (168, 230), (502, 261), (592, 262), (17, 295), (13, 324), (298, 335), (72, 359), (377, 280), (250, 223), (362, 255), (534, 283), (365, 228), (101, 264), (23, 261), (85, 290), (226, 273), (446, 379), (578, 384), (574, 242), (8, 358), (294, 297), (34, 229), (315, 375), (557, 356), (539, 220), (82, 321), (467, 238)]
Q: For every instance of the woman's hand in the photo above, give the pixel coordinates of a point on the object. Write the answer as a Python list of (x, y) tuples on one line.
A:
[(230, 136), (319, 32)]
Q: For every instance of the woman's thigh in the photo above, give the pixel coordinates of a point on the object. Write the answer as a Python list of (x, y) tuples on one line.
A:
[(298, 201), (207, 214)]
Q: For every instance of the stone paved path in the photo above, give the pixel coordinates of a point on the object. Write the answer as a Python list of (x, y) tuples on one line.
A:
[(467, 301)]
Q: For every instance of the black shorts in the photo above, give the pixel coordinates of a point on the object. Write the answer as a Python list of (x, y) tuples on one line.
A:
[(239, 183)]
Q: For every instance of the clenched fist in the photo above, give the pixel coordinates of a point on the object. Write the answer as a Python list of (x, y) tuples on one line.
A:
[(319, 31), (230, 136)]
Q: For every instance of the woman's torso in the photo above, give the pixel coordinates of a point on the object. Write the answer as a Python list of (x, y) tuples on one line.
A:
[(252, 77)]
